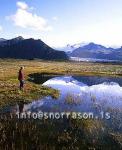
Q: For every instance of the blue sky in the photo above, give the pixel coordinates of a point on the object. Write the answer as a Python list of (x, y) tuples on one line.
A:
[(61, 22)]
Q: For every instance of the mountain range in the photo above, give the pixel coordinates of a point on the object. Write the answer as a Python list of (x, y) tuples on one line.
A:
[(96, 51), (20, 48), (71, 47)]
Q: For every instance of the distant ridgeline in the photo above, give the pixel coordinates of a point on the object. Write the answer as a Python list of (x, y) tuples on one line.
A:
[(96, 51), (20, 48)]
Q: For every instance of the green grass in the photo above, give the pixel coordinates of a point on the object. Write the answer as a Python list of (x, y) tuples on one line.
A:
[(9, 93), (56, 135), (50, 134)]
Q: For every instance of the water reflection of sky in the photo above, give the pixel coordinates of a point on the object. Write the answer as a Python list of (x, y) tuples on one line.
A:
[(105, 94)]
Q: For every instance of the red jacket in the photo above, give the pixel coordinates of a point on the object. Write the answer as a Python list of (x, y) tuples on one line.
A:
[(21, 75)]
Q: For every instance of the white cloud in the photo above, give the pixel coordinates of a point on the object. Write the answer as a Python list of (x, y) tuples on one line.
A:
[(26, 19), (55, 18), (1, 28), (22, 5)]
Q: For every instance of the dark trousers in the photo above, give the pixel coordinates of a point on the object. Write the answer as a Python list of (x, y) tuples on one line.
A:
[(21, 84)]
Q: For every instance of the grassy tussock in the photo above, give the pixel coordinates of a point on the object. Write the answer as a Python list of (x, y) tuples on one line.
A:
[(10, 93), (55, 135)]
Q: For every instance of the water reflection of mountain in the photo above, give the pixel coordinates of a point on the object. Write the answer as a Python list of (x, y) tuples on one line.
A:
[(92, 80), (96, 91)]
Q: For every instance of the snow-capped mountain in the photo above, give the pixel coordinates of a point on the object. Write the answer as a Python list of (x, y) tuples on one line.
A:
[(2, 39), (71, 47), (97, 51)]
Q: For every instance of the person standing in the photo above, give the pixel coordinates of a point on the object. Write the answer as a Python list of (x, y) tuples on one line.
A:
[(21, 78)]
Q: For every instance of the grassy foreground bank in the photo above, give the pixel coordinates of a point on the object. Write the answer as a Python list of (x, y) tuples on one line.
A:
[(9, 91), (52, 134)]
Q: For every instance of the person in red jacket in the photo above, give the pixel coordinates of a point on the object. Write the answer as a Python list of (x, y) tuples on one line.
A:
[(21, 78)]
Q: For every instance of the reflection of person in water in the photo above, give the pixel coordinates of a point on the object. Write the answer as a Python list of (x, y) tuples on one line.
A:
[(21, 78), (21, 107)]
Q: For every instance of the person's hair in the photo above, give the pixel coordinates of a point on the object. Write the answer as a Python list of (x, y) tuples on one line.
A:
[(21, 67)]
